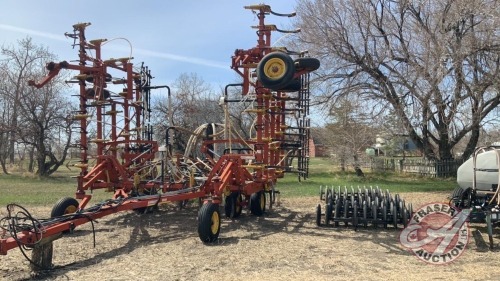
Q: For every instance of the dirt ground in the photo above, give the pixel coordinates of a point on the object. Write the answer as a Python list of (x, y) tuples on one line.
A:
[(284, 244)]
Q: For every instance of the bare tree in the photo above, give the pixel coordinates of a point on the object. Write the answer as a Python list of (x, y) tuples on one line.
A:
[(435, 63), (193, 104), (350, 131), (33, 118)]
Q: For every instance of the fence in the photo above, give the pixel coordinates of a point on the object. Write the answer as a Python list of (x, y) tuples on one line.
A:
[(421, 167)]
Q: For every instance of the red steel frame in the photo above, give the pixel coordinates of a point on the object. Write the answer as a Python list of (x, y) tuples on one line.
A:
[(124, 155)]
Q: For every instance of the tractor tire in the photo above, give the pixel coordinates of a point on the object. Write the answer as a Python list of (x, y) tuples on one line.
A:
[(275, 71), (209, 222)]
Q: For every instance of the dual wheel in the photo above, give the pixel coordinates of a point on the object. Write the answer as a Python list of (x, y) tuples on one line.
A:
[(276, 71)]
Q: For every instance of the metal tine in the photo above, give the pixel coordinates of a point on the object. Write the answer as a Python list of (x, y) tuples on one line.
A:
[(320, 192)]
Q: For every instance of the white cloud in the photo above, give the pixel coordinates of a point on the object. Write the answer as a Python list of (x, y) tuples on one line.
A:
[(52, 36), (138, 51), (193, 60)]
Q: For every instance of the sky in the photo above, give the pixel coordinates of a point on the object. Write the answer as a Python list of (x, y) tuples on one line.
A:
[(170, 37)]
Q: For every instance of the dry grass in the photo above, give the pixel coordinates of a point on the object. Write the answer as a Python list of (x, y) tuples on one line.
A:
[(284, 244)]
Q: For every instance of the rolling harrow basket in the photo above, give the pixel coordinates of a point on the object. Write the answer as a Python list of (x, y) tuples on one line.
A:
[(362, 206)]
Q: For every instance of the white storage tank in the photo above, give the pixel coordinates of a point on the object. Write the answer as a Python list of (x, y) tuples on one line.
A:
[(486, 171)]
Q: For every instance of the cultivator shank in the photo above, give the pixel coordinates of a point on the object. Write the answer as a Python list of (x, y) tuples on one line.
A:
[(362, 206)]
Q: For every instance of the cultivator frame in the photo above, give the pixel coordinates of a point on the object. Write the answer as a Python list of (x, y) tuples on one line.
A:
[(122, 158), (362, 206)]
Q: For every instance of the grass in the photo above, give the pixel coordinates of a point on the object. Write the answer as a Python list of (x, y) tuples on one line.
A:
[(322, 173), (27, 190)]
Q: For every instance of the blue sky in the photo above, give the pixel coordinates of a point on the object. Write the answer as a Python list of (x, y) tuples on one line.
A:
[(171, 37)]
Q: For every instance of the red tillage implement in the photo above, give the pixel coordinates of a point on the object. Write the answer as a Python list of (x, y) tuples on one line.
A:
[(122, 156)]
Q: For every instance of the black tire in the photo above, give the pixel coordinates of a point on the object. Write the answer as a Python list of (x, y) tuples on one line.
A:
[(258, 203), (275, 71), (460, 198), (293, 86), (209, 222), (336, 215), (328, 214), (64, 206), (232, 207), (318, 215), (308, 64)]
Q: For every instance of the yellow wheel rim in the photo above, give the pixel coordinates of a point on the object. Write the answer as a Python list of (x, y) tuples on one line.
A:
[(275, 68), (215, 223), (70, 210), (262, 201)]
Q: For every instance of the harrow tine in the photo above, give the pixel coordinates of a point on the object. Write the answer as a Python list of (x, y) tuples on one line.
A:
[(336, 215), (346, 212), (374, 215), (394, 215), (328, 214), (355, 215), (384, 212), (365, 214)]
